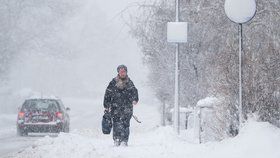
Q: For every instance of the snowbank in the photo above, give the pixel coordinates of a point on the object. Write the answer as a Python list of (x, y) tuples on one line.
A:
[(256, 140), (208, 102)]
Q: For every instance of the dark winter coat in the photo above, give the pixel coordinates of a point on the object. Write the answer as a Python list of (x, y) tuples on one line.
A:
[(119, 100)]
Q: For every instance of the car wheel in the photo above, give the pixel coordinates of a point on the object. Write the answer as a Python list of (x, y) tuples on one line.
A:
[(66, 128), (21, 132)]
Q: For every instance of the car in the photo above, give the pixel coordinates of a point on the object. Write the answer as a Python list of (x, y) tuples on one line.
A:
[(43, 115)]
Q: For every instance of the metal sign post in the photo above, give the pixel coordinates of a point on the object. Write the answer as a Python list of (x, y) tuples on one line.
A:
[(177, 33), (240, 75), (240, 11), (176, 95)]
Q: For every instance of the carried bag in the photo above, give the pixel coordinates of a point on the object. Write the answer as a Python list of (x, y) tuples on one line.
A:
[(107, 122)]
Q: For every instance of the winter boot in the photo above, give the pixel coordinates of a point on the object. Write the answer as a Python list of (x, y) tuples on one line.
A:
[(117, 142), (124, 143)]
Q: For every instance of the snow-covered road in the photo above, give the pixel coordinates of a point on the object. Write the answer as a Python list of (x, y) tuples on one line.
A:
[(148, 139), (85, 118), (9, 141)]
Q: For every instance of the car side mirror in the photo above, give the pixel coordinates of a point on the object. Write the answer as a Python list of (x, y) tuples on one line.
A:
[(68, 109)]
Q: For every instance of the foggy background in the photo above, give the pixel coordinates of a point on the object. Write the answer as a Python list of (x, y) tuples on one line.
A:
[(66, 49)]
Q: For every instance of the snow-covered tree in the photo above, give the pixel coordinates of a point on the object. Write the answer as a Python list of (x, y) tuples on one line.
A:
[(209, 61)]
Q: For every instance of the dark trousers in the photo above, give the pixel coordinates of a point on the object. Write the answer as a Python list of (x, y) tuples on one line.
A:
[(121, 128)]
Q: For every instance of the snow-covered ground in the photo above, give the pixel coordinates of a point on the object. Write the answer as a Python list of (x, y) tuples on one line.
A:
[(148, 139), (100, 42), (85, 115), (9, 141)]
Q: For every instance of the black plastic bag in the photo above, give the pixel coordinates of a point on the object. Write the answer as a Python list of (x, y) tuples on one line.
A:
[(106, 123)]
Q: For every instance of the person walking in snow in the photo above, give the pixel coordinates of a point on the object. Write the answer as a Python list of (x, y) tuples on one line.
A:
[(120, 97)]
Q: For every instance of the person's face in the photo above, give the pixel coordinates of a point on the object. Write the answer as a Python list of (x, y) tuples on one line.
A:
[(122, 73)]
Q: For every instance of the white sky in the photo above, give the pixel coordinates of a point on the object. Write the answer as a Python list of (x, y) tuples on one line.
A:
[(101, 43), (112, 7)]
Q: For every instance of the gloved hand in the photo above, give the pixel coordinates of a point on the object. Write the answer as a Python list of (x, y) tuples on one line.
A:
[(134, 102), (107, 110)]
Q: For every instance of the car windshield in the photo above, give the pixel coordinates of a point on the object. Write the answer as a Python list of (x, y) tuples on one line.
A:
[(40, 105)]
